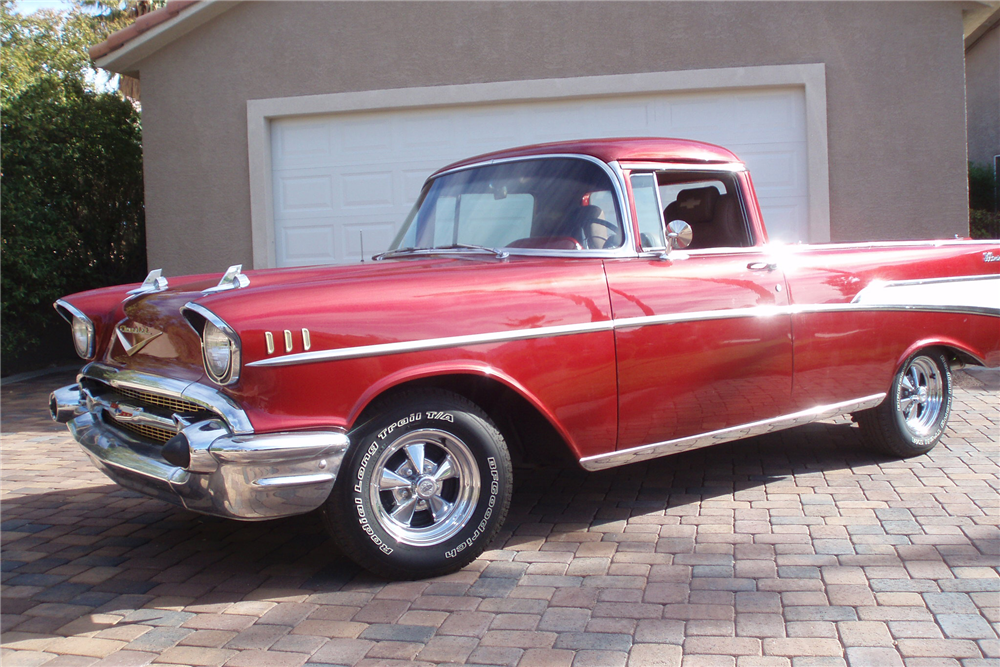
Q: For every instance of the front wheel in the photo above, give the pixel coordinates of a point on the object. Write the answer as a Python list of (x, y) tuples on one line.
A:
[(424, 489), (912, 418)]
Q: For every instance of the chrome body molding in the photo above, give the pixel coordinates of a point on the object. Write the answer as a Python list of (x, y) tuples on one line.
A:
[(208, 397), (433, 344), (655, 450), (233, 278), (972, 294), (973, 303), (250, 476)]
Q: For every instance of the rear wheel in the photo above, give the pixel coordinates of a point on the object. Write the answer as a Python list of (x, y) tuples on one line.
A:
[(912, 418), (425, 488)]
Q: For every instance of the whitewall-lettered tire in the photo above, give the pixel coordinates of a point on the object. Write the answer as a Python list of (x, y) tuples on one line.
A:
[(424, 488), (913, 417)]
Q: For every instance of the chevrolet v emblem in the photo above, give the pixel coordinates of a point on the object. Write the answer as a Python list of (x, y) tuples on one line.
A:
[(134, 337)]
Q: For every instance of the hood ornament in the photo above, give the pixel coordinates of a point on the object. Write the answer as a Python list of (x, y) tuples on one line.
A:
[(154, 282), (233, 279), (134, 336)]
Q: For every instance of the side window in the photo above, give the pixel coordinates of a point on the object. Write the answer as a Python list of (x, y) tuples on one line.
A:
[(709, 203), (647, 209)]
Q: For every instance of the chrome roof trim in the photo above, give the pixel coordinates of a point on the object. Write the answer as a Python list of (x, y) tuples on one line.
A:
[(209, 398), (653, 165), (655, 450)]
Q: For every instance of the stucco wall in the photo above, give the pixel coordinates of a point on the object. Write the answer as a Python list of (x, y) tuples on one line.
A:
[(982, 73), (895, 76)]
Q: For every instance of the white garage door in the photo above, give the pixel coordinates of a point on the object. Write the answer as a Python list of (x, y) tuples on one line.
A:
[(345, 182)]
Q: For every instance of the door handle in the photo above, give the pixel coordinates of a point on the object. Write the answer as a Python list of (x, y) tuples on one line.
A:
[(762, 266)]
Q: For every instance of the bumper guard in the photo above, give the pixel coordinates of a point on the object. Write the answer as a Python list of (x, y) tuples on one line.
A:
[(239, 476)]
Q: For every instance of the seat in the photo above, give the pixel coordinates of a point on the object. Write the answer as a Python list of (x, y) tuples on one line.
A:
[(715, 219), (587, 225)]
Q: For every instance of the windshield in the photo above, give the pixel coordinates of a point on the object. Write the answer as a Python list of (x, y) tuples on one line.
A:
[(549, 204)]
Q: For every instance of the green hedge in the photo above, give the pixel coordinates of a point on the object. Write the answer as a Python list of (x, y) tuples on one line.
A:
[(71, 208), (984, 220)]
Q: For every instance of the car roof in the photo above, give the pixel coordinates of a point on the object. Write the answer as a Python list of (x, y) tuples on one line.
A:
[(655, 149)]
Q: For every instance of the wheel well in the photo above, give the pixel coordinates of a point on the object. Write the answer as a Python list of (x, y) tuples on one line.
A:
[(530, 436)]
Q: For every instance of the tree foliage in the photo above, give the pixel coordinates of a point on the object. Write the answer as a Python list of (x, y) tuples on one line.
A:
[(984, 218), (71, 208)]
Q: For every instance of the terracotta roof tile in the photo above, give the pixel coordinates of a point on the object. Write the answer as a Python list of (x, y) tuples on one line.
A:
[(141, 25)]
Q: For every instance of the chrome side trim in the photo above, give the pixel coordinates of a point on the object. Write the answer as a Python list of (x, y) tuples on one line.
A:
[(655, 450), (433, 344), (608, 325), (977, 294), (211, 399)]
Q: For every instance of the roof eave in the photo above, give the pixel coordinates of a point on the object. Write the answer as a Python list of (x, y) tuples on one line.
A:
[(978, 18), (125, 60)]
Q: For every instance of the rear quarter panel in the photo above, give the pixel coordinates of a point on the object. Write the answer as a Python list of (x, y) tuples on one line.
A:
[(845, 351)]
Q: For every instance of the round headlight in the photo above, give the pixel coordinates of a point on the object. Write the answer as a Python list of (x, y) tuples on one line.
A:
[(83, 336), (218, 352)]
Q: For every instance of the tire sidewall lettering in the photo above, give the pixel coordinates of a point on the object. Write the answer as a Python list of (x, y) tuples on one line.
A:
[(486, 505)]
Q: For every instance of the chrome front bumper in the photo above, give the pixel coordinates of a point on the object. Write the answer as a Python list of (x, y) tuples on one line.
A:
[(240, 476)]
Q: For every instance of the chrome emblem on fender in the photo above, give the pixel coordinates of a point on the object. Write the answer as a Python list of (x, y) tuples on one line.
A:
[(134, 337), (990, 257)]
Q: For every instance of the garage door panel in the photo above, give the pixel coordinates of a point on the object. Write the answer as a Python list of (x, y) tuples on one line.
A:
[(374, 163), (373, 237), (786, 219), (300, 144), (305, 193)]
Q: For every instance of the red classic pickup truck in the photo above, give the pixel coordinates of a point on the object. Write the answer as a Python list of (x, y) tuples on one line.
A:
[(607, 300)]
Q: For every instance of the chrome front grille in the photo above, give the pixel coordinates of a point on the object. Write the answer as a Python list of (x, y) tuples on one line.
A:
[(145, 415), (145, 431), (158, 400)]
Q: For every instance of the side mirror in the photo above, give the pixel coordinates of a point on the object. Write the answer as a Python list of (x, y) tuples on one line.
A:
[(679, 234)]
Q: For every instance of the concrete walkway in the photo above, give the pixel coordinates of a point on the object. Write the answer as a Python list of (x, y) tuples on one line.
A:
[(799, 549)]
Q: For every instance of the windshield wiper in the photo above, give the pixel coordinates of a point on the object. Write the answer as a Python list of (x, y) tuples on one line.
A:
[(498, 252)]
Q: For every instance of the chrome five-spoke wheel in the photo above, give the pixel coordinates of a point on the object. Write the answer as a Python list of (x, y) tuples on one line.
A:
[(913, 417), (424, 487), (920, 395)]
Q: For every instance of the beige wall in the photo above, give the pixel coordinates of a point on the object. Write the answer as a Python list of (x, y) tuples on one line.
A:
[(894, 71), (982, 74)]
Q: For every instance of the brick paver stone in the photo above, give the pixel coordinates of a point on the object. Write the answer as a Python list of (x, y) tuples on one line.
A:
[(797, 549)]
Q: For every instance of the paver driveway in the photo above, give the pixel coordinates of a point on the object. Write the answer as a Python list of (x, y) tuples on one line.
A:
[(796, 549)]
